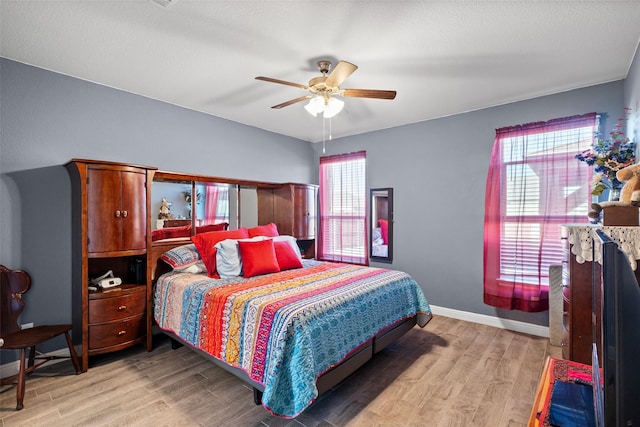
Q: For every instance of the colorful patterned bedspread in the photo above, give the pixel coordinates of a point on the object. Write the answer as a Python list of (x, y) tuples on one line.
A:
[(285, 329)]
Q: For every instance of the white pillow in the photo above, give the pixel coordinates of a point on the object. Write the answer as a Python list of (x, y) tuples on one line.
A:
[(228, 261), (196, 268), (292, 241)]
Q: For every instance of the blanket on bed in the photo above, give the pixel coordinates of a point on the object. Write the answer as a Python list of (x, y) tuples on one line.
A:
[(285, 329)]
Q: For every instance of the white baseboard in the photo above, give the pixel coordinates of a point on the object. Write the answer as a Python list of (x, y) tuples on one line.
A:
[(483, 319), (12, 368)]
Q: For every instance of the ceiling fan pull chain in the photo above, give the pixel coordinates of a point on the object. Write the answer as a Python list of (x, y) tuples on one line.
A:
[(323, 135)]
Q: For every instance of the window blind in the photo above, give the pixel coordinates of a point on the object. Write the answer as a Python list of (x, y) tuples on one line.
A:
[(534, 185), (545, 186), (342, 196)]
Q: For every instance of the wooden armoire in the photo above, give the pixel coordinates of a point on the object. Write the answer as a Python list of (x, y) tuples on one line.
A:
[(292, 207), (110, 233)]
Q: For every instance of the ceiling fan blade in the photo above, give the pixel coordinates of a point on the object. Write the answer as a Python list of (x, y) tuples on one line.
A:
[(282, 82), (343, 70), (369, 93), (292, 101)]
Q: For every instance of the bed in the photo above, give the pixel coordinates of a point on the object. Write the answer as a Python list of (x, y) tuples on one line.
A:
[(379, 248), (291, 334)]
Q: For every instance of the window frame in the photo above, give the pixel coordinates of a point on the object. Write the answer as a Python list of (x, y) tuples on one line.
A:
[(337, 227)]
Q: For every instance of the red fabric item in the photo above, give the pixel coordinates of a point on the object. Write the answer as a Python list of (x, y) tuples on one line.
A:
[(211, 203), (171, 232), (269, 230), (205, 243), (258, 257), (287, 257), (185, 231), (522, 228), (384, 230), (212, 227)]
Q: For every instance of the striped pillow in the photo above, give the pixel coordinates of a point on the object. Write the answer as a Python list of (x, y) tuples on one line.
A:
[(184, 257)]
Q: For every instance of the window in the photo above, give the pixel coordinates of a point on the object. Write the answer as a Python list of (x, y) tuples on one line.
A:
[(222, 209), (535, 184), (216, 208), (342, 234)]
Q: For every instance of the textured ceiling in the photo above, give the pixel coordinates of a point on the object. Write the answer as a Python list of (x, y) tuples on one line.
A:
[(442, 57)]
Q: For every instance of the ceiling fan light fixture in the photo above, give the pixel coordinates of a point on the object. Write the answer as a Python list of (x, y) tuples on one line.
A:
[(332, 107), (328, 107), (315, 105)]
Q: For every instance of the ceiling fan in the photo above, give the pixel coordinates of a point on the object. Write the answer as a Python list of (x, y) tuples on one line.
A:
[(323, 89)]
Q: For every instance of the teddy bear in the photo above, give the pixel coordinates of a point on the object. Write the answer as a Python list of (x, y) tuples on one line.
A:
[(165, 209), (630, 192), (629, 197)]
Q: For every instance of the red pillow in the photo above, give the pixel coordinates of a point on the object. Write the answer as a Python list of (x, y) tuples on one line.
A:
[(269, 230), (287, 257), (171, 232), (258, 257), (205, 243), (212, 227), (384, 230)]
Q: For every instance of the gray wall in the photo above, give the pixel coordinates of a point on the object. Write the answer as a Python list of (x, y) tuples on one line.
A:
[(438, 171), (47, 119)]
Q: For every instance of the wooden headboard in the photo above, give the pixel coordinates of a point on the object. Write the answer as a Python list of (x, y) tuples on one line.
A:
[(156, 265)]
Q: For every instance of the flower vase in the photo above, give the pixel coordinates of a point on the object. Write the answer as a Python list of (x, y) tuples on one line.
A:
[(614, 194)]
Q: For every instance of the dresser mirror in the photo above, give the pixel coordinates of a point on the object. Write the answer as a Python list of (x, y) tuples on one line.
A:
[(217, 200), (381, 225)]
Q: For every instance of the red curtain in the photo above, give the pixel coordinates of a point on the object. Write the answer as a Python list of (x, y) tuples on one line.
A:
[(534, 185), (342, 221), (211, 204)]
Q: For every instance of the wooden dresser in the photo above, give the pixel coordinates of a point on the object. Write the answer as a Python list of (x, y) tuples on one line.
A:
[(577, 299), (110, 230), (578, 270)]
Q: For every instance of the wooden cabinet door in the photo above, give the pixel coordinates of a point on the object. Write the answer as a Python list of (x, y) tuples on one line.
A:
[(134, 210), (116, 210), (304, 211), (103, 204)]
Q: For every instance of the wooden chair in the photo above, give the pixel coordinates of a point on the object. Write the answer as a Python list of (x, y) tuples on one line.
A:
[(14, 283)]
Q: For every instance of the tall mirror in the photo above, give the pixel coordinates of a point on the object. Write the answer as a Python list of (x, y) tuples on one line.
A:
[(381, 225)]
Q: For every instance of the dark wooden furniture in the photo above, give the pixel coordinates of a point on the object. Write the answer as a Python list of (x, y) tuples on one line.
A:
[(578, 297), (13, 284), (292, 207), (176, 222), (111, 232)]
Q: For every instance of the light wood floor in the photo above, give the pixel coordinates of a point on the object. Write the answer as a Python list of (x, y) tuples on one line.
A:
[(451, 373)]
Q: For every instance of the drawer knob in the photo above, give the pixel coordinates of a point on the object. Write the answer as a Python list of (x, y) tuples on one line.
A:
[(122, 307), (124, 214), (117, 214), (121, 333)]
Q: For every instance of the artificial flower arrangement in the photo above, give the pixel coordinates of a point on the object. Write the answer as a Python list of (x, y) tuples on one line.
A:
[(608, 156)]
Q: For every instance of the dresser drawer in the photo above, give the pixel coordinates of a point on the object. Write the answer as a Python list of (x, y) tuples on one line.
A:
[(116, 308), (114, 333)]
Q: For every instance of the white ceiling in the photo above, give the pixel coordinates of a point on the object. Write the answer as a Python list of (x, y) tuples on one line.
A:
[(442, 57)]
